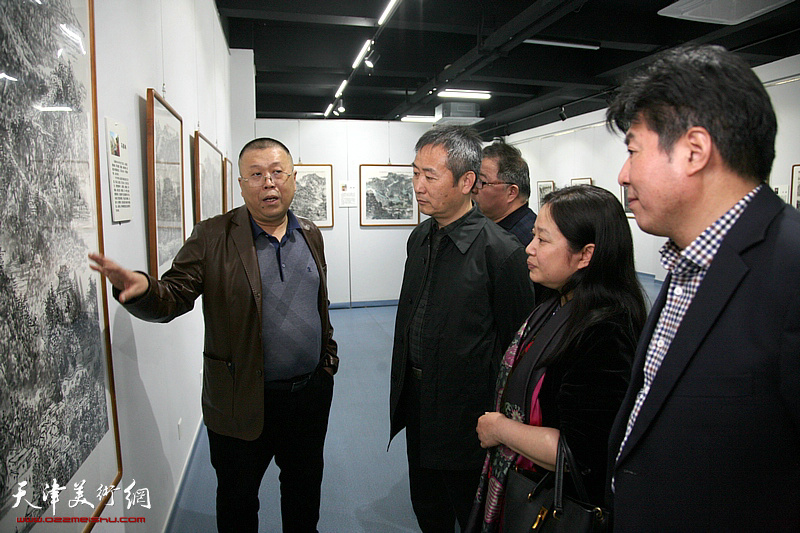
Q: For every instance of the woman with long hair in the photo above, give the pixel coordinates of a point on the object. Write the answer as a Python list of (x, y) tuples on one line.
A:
[(567, 369)]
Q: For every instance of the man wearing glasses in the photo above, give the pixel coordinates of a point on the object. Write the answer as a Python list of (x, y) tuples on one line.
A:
[(269, 354), (503, 188)]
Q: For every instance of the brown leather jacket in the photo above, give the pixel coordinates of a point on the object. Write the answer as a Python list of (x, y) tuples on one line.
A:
[(219, 261)]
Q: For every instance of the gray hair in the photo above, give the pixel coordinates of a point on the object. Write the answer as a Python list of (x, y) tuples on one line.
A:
[(462, 145)]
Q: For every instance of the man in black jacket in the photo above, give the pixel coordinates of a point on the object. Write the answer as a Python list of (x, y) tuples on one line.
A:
[(465, 292)]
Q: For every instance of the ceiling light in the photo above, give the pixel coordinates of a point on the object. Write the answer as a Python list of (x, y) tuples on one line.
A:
[(4, 76), (387, 12), (466, 94), (338, 107), (418, 118), (563, 44), (340, 90), (721, 11), (562, 114), (362, 53), (371, 59), (328, 110)]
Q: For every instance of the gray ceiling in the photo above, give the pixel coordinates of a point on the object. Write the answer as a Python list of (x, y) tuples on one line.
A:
[(304, 49)]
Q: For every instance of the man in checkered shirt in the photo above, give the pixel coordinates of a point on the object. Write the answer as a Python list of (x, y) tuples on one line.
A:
[(708, 436)]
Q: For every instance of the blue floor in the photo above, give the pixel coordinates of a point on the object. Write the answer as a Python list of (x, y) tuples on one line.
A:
[(365, 488)]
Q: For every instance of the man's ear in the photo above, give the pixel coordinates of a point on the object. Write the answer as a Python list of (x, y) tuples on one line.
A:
[(467, 181), (512, 192), (586, 256), (699, 146)]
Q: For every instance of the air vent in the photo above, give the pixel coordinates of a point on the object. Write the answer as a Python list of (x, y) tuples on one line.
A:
[(460, 113), (721, 11)]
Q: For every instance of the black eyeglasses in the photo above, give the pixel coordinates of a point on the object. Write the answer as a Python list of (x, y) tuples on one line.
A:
[(480, 184)]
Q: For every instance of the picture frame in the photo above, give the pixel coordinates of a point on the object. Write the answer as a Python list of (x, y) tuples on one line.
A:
[(387, 196), (313, 198), (794, 196), (209, 186), (581, 181), (166, 218), (624, 196), (229, 178), (58, 405), (543, 188)]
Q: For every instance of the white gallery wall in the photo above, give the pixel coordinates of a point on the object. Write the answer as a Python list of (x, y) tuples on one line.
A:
[(178, 48)]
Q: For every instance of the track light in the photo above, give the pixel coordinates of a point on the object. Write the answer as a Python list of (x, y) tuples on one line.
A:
[(562, 114), (371, 59), (362, 53), (338, 107)]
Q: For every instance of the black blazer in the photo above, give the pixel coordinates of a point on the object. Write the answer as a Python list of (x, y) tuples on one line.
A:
[(716, 446)]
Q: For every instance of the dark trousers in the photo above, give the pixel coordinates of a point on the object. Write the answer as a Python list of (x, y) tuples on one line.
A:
[(439, 497), (295, 424)]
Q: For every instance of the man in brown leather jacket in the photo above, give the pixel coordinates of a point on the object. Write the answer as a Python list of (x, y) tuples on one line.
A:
[(269, 353)]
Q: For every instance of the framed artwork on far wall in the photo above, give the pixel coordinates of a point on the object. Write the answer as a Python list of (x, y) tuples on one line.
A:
[(581, 181), (164, 183), (387, 196), (57, 400), (228, 190), (209, 187), (544, 188), (795, 192), (313, 198), (624, 196)]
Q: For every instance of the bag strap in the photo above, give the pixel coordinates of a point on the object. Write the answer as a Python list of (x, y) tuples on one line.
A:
[(565, 461)]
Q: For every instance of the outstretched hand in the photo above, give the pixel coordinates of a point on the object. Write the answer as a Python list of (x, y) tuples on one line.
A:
[(130, 284)]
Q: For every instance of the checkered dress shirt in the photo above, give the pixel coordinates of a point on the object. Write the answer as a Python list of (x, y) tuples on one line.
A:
[(688, 268)]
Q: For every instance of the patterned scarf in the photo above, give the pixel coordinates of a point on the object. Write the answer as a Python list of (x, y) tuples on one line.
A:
[(485, 516)]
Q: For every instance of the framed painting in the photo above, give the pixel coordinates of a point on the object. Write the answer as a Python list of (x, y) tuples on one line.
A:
[(543, 188), (209, 187), (228, 191), (624, 196), (57, 399), (164, 183), (387, 196), (795, 191), (314, 196), (581, 181)]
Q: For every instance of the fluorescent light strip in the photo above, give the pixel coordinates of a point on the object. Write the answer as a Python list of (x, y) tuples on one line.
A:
[(562, 44), (387, 12), (418, 118), (341, 89), (328, 111), (464, 93), (362, 53)]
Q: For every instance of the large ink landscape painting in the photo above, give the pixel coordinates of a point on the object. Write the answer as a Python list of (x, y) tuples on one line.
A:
[(53, 392)]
